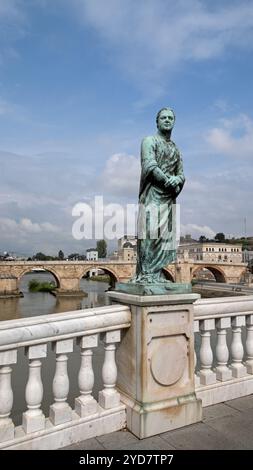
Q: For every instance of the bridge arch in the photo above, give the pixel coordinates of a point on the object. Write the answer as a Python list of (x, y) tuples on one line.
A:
[(113, 275), (168, 274), (29, 269), (217, 272)]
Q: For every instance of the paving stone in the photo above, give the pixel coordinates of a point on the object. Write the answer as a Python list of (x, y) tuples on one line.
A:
[(241, 404), (72, 447), (150, 443), (238, 429), (91, 444), (227, 426), (218, 411), (117, 440), (198, 437)]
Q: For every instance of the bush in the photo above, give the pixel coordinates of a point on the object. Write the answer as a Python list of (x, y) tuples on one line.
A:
[(35, 286)]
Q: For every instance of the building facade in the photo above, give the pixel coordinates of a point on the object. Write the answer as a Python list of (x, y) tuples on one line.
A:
[(127, 248), (211, 252), (92, 254)]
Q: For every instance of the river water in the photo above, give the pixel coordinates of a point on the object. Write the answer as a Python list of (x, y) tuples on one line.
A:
[(43, 303)]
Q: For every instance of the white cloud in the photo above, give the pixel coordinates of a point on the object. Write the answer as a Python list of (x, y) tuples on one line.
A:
[(121, 175), (150, 38), (25, 227), (197, 230), (234, 137)]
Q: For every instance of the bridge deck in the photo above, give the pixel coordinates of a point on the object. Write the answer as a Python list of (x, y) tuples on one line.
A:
[(227, 426)]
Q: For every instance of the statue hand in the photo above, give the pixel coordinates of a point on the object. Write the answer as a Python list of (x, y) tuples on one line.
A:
[(172, 181)]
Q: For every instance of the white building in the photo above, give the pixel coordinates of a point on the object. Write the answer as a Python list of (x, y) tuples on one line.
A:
[(92, 254), (211, 252)]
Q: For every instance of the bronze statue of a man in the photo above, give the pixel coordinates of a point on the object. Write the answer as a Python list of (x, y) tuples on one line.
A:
[(162, 180)]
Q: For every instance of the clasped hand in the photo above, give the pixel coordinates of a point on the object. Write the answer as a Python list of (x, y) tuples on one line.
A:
[(171, 182)]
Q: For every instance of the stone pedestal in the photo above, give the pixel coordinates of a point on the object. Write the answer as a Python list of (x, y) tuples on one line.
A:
[(155, 362)]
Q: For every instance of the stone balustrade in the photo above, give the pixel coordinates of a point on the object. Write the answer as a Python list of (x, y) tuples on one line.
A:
[(64, 425), (151, 389), (223, 348)]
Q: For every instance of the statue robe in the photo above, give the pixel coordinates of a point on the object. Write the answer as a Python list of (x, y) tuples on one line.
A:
[(156, 244)]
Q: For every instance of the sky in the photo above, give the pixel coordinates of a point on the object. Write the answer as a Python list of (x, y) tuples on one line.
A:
[(81, 82)]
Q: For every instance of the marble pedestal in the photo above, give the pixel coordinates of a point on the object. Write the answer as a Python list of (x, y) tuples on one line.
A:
[(155, 362)]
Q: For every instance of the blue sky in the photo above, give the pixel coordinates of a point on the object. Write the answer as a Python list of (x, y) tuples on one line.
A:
[(80, 85)]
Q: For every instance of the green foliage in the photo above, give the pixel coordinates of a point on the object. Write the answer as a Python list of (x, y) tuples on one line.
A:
[(73, 256), (36, 286), (220, 237), (102, 248), (33, 285), (42, 257)]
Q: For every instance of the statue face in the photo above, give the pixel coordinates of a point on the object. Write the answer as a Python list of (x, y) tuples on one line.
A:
[(166, 121)]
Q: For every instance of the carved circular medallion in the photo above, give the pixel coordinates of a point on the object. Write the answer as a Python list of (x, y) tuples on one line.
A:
[(168, 361)]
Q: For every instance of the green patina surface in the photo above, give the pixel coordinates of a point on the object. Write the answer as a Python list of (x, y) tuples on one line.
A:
[(137, 288), (162, 179)]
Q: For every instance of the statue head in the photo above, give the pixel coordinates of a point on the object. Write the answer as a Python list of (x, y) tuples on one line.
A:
[(165, 120)]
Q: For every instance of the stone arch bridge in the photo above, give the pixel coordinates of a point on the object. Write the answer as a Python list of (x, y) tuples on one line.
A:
[(68, 274)]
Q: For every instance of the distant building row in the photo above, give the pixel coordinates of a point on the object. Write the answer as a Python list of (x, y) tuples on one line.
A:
[(206, 251)]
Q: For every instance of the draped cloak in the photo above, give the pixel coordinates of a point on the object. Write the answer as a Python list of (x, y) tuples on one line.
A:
[(155, 248)]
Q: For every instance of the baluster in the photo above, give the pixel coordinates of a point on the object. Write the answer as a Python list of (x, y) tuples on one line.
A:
[(109, 397), (33, 418), (249, 344), (238, 369), (196, 330), (60, 411), (6, 394), (222, 353), (86, 404), (206, 375)]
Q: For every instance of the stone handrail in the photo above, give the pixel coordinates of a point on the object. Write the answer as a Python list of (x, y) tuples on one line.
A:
[(45, 328), (223, 348), (64, 425), (222, 307)]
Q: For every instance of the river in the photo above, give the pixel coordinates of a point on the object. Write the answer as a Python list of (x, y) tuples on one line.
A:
[(43, 303)]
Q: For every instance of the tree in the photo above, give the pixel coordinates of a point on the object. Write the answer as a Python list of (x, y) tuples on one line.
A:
[(61, 255), (220, 237), (74, 256), (102, 248), (202, 239), (40, 256)]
